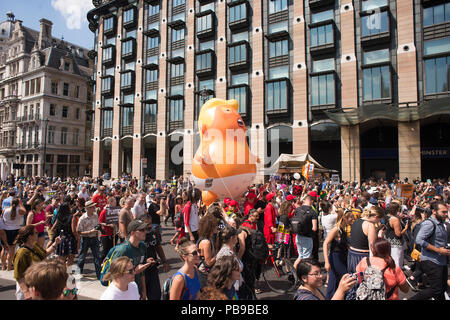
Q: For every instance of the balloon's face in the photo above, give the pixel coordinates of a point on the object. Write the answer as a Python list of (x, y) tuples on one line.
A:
[(224, 118)]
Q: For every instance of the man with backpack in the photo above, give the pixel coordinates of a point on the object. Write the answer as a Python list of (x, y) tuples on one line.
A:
[(135, 249), (303, 224), (432, 238), (253, 250)]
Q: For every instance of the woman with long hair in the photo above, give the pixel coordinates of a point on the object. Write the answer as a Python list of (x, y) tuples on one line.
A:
[(207, 228), (62, 227), (223, 275), (186, 283), (335, 250), (381, 259), (37, 218), (12, 220), (29, 251), (122, 285)]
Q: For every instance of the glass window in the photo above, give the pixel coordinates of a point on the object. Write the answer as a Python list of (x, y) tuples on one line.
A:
[(277, 6), (176, 110), (322, 90), (150, 112), (108, 24), (376, 56), (237, 53), (151, 76), (436, 14), (151, 95), (128, 99), (372, 4), (278, 48), (65, 112), (204, 61), (153, 25), (126, 79), (323, 65), (277, 95), (180, 16), (176, 3), (437, 73), (240, 94), (436, 46), (66, 89), (177, 34), (111, 40), (108, 114), (204, 23), (153, 10), (238, 13), (374, 24), (130, 34), (376, 83), (206, 7), (107, 53), (153, 60), (177, 70), (129, 66), (177, 90), (178, 53), (206, 84), (279, 72), (128, 15), (206, 45), (152, 42), (322, 16), (241, 78), (127, 117), (235, 37), (322, 35), (279, 26), (127, 47)]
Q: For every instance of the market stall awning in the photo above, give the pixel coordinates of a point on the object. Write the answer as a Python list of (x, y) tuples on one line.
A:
[(291, 163), (404, 112)]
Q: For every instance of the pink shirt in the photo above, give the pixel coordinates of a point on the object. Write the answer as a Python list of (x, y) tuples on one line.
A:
[(38, 217)]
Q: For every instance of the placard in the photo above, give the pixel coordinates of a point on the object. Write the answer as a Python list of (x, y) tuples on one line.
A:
[(112, 215)]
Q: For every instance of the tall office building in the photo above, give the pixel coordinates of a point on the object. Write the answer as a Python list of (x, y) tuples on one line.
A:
[(362, 85)]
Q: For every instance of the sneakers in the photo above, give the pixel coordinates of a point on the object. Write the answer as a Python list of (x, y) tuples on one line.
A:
[(413, 284)]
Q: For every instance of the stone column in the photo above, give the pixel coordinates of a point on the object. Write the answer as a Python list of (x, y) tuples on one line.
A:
[(409, 157), (350, 138), (257, 133)]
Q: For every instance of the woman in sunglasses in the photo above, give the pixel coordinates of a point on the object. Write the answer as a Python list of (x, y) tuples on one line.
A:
[(186, 283), (122, 285)]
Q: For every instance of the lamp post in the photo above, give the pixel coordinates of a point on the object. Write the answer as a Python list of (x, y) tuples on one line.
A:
[(44, 160), (204, 93)]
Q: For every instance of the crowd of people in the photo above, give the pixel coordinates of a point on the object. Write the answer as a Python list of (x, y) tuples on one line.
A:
[(365, 230)]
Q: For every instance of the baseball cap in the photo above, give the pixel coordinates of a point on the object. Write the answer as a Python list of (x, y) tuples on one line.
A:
[(135, 225), (290, 197), (226, 201), (233, 203), (251, 195), (313, 194), (270, 196)]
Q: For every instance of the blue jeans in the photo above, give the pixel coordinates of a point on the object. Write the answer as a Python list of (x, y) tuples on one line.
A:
[(93, 244)]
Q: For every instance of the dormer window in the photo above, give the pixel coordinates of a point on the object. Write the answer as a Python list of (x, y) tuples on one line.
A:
[(66, 66)]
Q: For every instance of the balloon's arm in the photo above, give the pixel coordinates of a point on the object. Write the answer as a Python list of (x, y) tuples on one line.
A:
[(205, 157)]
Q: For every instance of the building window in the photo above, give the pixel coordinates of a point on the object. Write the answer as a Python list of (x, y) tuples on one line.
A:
[(322, 35), (127, 48), (177, 70), (152, 42), (206, 7), (206, 45), (436, 14), (177, 34), (51, 135), (176, 3), (128, 16), (204, 23), (238, 13), (78, 114), (176, 110), (437, 73), (108, 24), (322, 16), (128, 98), (180, 16), (63, 136), (177, 90), (376, 79), (240, 94), (374, 24), (277, 96), (65, 112), (322, 89), (107, 84), (153, 10), (126, 79), (278, 48), (241, 78), (241, 36), (279, 72), (76, 137), (66, 89), (108, 54), (237, 54), (278, 27), (151, 76), (150, 112), (54, 87), (52, 110), (127, 118), (372, 4), (277, 6), (111, 41), (204, 61)]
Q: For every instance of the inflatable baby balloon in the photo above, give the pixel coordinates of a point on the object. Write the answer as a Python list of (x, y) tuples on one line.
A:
[(223, 165)]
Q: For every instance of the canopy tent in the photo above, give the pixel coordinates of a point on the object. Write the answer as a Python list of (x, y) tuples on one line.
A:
[(291, 163)]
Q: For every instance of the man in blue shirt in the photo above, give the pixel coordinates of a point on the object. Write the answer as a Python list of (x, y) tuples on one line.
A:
[(432, 237)]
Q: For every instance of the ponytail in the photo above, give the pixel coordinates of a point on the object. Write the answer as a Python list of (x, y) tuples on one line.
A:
[(14, 205)]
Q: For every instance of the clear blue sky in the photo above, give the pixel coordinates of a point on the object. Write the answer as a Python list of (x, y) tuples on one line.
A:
[(68, 17)]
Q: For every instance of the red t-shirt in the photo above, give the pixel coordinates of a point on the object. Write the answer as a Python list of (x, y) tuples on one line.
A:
[(270, 216), (100, 200), (250, 225), (102, 219), (247, 207), (391, 277)]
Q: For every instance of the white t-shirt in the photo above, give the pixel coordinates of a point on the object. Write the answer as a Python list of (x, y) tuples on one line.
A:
[(138, 210), (114, 293), (328, 222), (8, 223), (193, 219), (85, 195)]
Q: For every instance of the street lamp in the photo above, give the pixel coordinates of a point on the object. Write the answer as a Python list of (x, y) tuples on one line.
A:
[(205, 94)]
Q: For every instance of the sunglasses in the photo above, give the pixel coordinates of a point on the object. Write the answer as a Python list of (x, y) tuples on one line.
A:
[(66, 292), (194, 253), (131, 271)]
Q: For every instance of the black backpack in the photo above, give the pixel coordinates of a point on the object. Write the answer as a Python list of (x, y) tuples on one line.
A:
[(256, 245), (301, 222)]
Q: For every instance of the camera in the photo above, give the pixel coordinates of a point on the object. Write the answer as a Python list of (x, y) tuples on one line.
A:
[(98, 227), (420, 210)]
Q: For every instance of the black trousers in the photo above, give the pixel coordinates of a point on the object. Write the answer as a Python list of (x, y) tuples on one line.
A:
[(152, 284), (437, 279), (316, 243)]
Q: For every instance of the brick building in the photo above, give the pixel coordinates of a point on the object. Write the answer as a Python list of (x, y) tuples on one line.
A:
[(362, 86)]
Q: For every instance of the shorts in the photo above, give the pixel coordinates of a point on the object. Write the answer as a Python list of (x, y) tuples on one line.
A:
[(304, 246), (11, 236)]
